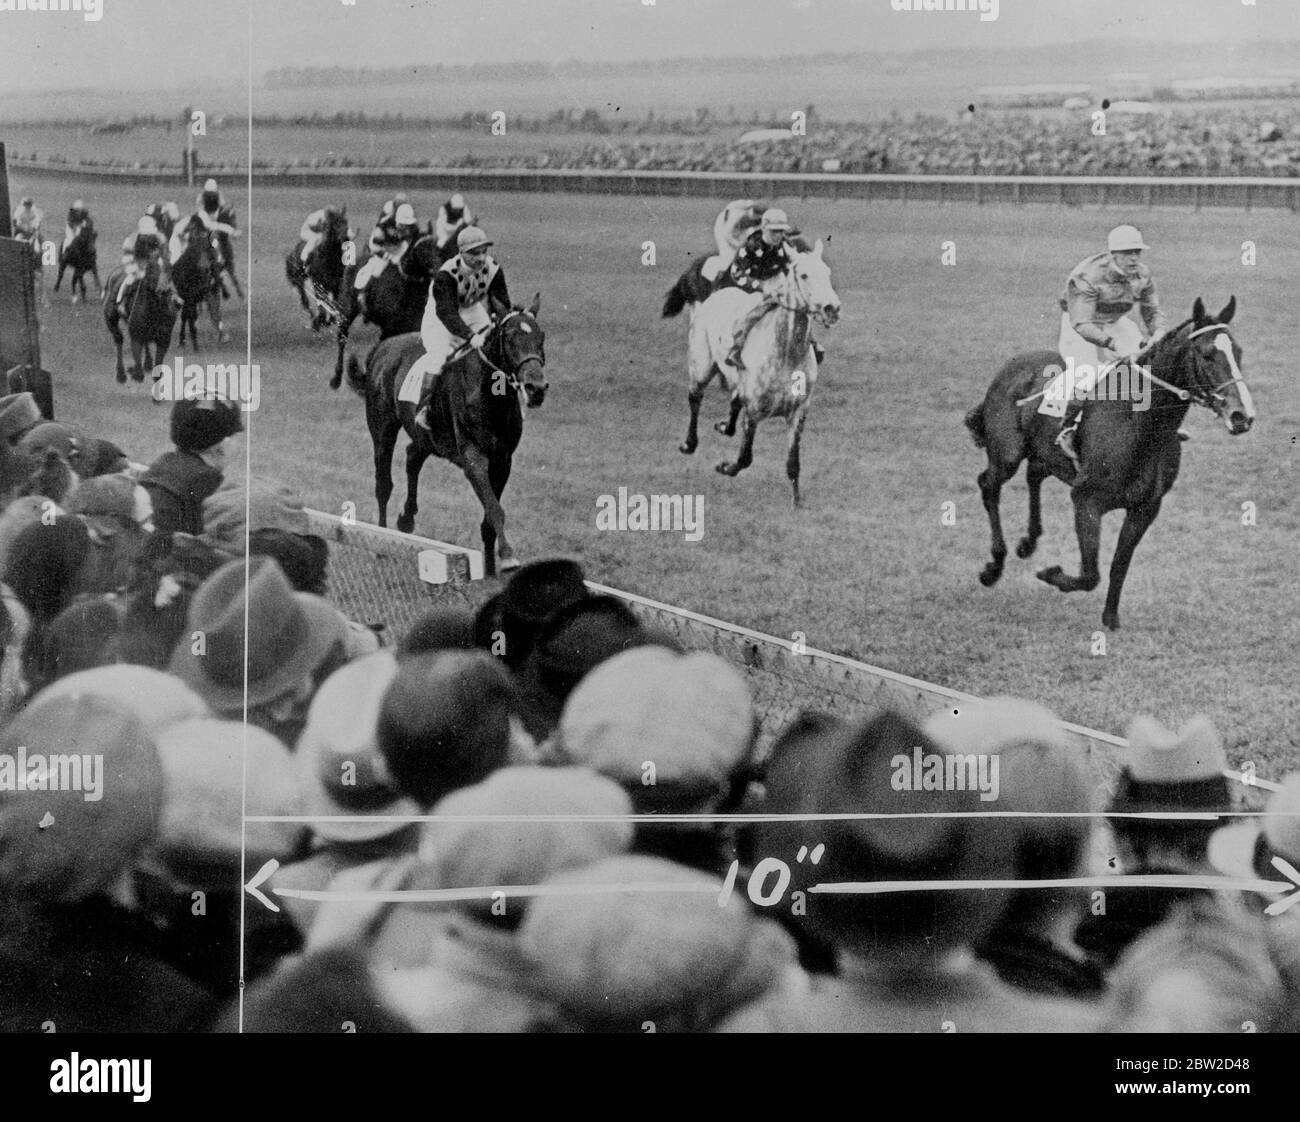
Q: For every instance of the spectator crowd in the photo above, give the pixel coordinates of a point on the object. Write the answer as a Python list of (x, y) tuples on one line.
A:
[(1224, 141), (554, 785)]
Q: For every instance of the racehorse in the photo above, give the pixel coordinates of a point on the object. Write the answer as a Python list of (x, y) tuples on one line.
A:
[(780, 367), (474, 415), (394, 300), (1129, 456), (197, 277), (319, 281), (80, 256), (149, 319)]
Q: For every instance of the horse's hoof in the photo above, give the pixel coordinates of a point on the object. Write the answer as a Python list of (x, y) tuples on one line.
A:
[(726, 469), (121, 377), (1050, 575), (687, 447), (508, 564), (990, 575), (335, 383), (405, 525), (137, 375), (724, 428), (1025, 548), (1110, 620)]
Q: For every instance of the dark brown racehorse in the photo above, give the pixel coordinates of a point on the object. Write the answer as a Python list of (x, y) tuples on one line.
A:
[(1129, 455), (150, 318), (319, 280), (80, 256), (393, 301), (475, 416), (197, 277)]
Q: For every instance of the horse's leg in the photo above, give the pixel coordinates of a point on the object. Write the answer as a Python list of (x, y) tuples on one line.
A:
[(991, 480), (498, 476), (478, 472), (137, 359), (1087, 528), (214, 310), (121, 365), (1136, 521), (416, 454), (99, 284), (746, 455), (344, 327), (383, 439), (1034, 474), (728, 427), (796, 423), (702, 370), (58, 280)]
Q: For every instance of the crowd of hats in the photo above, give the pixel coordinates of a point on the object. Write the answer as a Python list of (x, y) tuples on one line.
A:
[(543, 815)]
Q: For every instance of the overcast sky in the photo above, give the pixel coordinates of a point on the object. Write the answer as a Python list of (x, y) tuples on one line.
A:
[(163, 42)]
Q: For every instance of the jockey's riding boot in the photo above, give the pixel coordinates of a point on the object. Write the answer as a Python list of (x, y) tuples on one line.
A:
[(1069, 429)]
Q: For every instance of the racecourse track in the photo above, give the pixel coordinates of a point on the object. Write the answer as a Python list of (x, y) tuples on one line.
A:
[(869, 567)]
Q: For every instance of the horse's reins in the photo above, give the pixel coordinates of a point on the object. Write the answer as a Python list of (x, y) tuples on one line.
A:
[(1135, 363), (513, 380)]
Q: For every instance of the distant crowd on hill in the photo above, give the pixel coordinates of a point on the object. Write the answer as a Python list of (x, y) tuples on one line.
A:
[(1224, 141)]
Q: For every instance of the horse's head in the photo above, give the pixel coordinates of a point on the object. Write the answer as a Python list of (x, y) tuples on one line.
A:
[(810, 279), (521, 344), (1213, 368)]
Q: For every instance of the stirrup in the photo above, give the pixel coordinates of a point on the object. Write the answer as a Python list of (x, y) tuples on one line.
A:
[(734, 358), (422, 418), (1065, 442)]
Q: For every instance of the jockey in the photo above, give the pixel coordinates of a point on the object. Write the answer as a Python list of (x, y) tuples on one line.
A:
[(216, 214), (730, 230), (314, 227), (27, 222), (763, 256), (165, 216), (458, 309), (78, 219), (1096, 330), (453, 217), (391, 238), (138, 252), (386, 223)]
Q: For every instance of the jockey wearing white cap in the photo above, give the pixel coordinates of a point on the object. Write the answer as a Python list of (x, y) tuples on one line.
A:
[(27, 222), (453, 217), (146, 244), (459, 309), (1096, 330), (395, 233)]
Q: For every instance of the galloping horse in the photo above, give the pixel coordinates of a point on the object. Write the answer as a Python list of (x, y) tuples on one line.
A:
[(319, 281), (394, 300), (80, 256), (1129, 456), (197, 276), (149, 319), (474, 415), (780, 368)]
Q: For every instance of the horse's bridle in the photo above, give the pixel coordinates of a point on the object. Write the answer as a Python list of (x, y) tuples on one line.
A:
[(806, 308), (1212, 398), (512, 377)]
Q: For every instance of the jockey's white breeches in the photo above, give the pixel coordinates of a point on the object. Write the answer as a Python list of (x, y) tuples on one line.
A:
[(1085, 363), (439, 343)]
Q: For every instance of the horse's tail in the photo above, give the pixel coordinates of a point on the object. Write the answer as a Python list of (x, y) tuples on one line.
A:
[(356, 374), (677, 298), (975, 422)]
